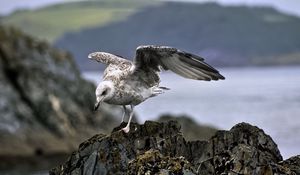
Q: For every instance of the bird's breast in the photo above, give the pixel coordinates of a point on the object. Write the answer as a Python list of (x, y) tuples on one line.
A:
[(125, 98), (127, 93)]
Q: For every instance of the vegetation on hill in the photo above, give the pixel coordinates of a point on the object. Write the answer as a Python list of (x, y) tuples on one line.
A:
[(52, 21), (225, 36)]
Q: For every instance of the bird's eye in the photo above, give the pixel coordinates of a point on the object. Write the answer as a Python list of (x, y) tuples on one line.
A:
[(104, 92)]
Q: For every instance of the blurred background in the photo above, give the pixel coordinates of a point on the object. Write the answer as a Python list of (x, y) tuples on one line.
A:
[(47, 83)]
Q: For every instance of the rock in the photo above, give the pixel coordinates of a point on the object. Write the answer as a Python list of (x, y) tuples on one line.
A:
[(45, 105), (112, 153), (289, 166), (160, 148), (244, 149), (191, 129)]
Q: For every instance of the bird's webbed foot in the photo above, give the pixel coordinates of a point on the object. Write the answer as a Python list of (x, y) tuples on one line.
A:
[(126, 129)]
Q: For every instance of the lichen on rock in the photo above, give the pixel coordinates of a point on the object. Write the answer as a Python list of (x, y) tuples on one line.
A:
[(152, 162)]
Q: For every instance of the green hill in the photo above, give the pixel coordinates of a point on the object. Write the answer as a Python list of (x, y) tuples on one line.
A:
[(225, 36), (53, 21)]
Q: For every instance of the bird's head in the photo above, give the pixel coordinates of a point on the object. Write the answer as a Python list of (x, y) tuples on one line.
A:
[(105, 90)]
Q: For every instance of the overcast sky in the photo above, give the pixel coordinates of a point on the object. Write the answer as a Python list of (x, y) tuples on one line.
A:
[(287, 6)]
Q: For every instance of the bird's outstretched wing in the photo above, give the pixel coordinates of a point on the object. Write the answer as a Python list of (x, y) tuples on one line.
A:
[(118, 67), (168, 58), (107, 58)]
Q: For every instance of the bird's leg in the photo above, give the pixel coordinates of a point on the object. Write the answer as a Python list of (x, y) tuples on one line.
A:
[(127, 128), (124, 113)]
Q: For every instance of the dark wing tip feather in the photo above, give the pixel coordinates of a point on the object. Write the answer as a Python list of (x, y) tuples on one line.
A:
[(189, 55), (197, 62), (221, 77), (217, 76)]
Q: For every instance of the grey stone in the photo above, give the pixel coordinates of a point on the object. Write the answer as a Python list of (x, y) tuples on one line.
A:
[(43, 99)]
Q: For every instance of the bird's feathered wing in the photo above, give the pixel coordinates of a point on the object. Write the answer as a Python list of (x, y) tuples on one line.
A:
[(168, 58), (117, 67), (107, 58)]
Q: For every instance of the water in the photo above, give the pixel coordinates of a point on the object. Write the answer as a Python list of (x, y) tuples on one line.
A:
[(266, 97)]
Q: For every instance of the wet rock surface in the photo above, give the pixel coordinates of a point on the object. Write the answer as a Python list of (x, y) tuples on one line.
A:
[(43, 99), (160, 148)]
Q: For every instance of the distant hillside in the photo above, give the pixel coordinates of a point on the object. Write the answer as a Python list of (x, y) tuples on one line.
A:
[(51, 22), (225, 36)]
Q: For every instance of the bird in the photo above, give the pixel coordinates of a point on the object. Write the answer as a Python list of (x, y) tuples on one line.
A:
[(129, 83)]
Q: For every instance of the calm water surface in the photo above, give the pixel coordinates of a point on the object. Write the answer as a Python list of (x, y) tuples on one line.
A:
[(266, 97)]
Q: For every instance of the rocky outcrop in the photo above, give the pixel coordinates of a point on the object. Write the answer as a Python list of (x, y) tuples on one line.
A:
[(191, 130), (160, 148), (43, 99)]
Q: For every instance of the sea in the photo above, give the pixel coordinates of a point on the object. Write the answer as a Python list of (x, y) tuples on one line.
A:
[(267, 97)]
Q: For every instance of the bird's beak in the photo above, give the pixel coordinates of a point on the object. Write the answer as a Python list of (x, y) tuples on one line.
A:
[(98, 103)]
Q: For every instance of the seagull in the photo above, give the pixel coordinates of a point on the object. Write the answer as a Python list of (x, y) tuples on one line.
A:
[(130, 83)]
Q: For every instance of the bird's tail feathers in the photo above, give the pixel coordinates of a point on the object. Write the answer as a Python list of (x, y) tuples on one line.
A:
[(158, 90)]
